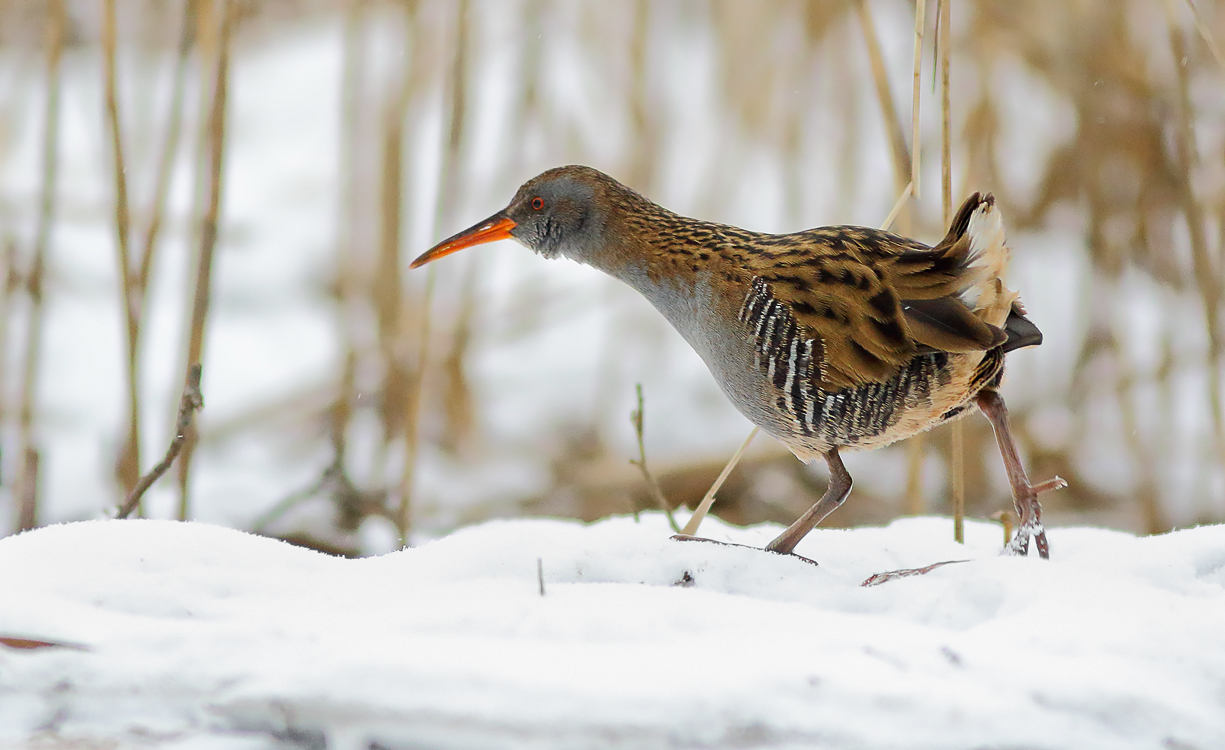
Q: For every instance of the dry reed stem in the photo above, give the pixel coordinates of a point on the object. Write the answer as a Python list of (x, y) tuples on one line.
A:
[(447, 192), (459, 410), (920, 8), (1206, 34), (1207, 275), (643, 156), (636, 418), (191, 402), (914, 447), (340, 411), (208, 228), (957, 450), (699, 514), (1155, 521), (889, 115), (898, 206), (27, 486), (128, 467), (170, 145), (11, 281)]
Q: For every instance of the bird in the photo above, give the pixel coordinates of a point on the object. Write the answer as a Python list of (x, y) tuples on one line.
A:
[(832, 339)]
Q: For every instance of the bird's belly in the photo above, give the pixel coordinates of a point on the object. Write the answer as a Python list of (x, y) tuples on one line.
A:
[(791, 406), (780, 391)]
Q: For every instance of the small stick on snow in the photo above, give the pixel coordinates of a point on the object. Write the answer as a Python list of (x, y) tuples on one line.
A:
[(30, 644), (192, 402), (641, 463), (892, 575), (540, 574)]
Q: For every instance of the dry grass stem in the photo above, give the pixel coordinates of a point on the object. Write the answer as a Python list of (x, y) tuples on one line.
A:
[(914, 447), (889, 115), (1206, 34), (703, 508), (208, 226), (1207, 272), (128, 466), (920, 7), (191, 402), (897, 207), (447, 191), (636, 418), (170, 145), (957, 433), (27, 486)]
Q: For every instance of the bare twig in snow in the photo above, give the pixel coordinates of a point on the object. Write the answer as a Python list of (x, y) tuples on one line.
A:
[(191, 402), (957, 449), (208, 225), (27, 488), (128, 467), (641, 463), (893, 575)]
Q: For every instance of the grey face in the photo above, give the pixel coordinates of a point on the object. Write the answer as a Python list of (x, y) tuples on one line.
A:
[(554, 215)]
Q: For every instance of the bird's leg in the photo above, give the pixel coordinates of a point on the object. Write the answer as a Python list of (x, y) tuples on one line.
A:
[(839, 488), (1024, 494)]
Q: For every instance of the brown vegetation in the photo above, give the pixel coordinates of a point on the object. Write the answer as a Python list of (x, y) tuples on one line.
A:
[(1128, 184)]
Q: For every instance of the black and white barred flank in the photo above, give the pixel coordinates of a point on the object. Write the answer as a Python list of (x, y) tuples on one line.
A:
[(793, 365)]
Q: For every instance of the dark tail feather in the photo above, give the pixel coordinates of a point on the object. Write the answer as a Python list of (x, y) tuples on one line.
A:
[(1021, 332), (961, 220)]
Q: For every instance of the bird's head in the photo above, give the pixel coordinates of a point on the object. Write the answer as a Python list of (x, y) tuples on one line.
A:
[(559, 212)]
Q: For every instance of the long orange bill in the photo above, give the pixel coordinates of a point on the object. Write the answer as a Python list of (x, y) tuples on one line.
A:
[(494, 228)]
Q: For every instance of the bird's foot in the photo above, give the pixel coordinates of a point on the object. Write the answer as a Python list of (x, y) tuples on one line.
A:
[(1031, 523), (685, 538)]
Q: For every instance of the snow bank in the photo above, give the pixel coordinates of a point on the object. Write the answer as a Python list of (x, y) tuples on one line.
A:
[(201, 636)]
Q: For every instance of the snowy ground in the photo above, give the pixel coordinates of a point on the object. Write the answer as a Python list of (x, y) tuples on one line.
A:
[(191, 635)]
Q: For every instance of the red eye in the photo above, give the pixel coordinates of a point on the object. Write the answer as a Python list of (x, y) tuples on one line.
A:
[(537, 203)]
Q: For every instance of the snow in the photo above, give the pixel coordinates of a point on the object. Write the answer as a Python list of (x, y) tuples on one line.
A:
[(193, 636)]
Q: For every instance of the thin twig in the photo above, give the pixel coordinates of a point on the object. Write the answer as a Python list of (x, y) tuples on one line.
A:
[(703, 508), (1207, 272), (897, 207), (893, 124), (170, 146), (1206, 34), (27, 491), (208, 224), (957, 449), (191, 402), (920, 7), (641, 463), (129, 460), (914, 448), (447, 193), (893, 575)]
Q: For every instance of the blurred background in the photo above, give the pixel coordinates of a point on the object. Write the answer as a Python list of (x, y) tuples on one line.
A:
[(244, 182)]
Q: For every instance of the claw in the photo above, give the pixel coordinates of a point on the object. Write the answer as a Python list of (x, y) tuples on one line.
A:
[(1057, 483)]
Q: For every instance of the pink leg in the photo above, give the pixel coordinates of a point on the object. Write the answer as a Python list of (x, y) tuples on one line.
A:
[(839, 488), (1024, 494)]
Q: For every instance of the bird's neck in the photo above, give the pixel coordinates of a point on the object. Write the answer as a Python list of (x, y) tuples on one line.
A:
[(668, 259), (644, 245)]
